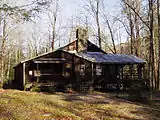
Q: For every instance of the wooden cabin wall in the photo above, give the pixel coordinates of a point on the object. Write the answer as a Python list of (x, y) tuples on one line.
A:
[(88, 69), (29, 66), (19, 77), (72, 70), (56, 54), (83, 82), (70, 47), (68, 67), (89, 47), (55, 78), (52, 79)]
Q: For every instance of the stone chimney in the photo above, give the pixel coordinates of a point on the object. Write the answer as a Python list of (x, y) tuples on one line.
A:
[(82, 38)]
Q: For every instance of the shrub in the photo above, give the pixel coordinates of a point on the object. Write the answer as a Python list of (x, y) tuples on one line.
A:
[(35, 89), (51, 89), (28, 87)]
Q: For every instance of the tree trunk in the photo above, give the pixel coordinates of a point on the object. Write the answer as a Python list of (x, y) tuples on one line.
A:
[(137, 24), (158, 69), (3, 49), (53, 31), (9, 66), (131, 25), (53, 23), (132, 33), (151, 50), (98, 25), (113, 42)]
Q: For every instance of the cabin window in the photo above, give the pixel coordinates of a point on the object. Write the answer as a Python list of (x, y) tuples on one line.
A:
[(98, 70), (30, 72), (82, 69)]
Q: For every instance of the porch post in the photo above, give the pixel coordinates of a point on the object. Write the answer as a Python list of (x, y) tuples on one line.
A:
[(122, 77), (37, 73), (139, 70), (131, 71), (119, 76), (92, 75), (121, 73)]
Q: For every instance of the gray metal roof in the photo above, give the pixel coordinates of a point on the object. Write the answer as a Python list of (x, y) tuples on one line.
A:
[(109, 58)]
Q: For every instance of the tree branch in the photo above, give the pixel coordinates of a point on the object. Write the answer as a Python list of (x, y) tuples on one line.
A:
[(136, 13)]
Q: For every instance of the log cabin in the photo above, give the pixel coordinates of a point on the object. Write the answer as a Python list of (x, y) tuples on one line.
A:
[(80, 64)]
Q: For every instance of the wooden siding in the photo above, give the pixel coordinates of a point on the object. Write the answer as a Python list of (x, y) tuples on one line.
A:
[(75, 78), (19, 77), (89, 47), (70, 47), (45, 75)]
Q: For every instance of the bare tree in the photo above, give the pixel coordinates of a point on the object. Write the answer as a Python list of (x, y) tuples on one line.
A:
[(3, 47), (52, 15), (137, 28), (130, 17), (94, 7), (97, 21), (10, 16), (111, 33), (158, 67), (151, 50)]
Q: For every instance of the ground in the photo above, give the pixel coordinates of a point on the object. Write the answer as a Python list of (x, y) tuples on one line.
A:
[(21, 105)]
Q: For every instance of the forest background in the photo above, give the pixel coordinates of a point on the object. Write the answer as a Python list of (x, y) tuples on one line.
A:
[(32, 27)]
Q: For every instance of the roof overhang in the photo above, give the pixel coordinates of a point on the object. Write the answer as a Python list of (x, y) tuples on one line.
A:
[(50, 60)]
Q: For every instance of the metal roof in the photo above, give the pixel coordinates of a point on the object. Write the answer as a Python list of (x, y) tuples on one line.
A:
[(109, 58)]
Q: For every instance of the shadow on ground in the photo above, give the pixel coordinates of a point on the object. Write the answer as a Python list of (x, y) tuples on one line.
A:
[(147, 110)]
